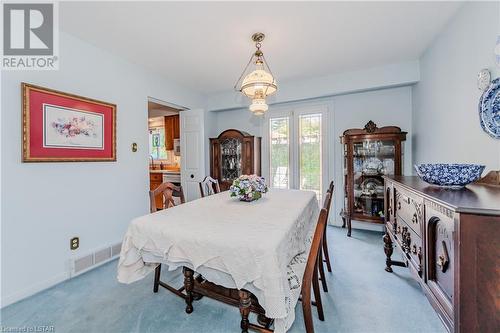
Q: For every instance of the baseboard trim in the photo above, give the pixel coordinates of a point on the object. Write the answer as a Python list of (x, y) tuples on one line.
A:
[(34, 289)]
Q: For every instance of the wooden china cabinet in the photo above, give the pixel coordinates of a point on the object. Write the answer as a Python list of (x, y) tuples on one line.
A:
[(369, 154), (232, 154)]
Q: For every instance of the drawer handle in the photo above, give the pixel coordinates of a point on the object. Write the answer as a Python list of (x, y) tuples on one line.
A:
[(443, 259)]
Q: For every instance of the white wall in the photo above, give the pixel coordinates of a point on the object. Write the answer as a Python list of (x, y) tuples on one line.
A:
[(445, 121), (45, 204), (392, 75), (392, 106)]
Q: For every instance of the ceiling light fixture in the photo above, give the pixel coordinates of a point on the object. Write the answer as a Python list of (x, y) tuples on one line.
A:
[(258, 83)]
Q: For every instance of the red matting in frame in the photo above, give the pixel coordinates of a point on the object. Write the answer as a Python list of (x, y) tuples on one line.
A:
[(34, 100)]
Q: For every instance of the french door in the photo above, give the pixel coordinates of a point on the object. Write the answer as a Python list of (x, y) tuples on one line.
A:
[(296, 147)]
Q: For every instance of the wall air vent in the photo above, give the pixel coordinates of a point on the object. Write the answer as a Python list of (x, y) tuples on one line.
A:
[(95, 259), (116, 249)]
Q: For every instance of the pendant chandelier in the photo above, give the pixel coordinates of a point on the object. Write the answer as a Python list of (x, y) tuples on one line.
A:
[(257, 81)]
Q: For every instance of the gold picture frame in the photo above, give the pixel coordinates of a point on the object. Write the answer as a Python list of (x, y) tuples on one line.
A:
[(33, 111)]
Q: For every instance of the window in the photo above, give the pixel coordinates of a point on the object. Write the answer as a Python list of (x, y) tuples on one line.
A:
[(279, 134), (310, 153), (296, 146), (157, 143)]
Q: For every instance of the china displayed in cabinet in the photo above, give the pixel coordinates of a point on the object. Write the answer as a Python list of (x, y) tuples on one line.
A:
[(232, 154), (369, 154)]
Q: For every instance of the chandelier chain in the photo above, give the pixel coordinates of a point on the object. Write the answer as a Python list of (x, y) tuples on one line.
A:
[(242, 74)]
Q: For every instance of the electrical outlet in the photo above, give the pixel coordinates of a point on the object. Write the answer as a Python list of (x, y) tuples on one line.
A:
[(74, 243)]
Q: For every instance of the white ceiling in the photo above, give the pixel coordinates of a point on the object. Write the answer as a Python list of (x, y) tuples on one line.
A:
[(205, 46), (158, 110)]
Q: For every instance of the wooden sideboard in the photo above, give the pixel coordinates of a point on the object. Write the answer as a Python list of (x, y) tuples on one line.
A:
[(450, 241)]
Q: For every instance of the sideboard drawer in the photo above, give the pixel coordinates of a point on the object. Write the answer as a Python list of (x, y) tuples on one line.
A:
[(409, 208), (411, 245)]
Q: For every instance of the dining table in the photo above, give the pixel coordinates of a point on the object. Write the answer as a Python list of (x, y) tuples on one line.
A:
[(251, 254)]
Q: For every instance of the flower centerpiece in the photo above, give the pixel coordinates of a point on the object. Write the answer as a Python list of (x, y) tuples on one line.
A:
[(248, 187)]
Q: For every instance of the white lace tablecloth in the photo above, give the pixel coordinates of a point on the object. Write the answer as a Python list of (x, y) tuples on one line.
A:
[(260, 246)]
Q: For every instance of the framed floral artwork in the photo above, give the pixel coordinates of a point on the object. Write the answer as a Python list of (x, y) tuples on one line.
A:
[(62, 127)]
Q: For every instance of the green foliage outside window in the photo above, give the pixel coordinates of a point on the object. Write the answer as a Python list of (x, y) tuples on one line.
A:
[(310, 152)]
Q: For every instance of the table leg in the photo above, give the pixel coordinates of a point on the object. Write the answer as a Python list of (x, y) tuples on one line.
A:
[(188, 285), (245, 303), (156, 284)]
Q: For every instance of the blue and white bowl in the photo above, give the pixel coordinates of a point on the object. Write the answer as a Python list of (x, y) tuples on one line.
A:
[(449, 175)]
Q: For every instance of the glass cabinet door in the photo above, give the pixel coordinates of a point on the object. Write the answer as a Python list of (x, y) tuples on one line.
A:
[(371, 160), (230, 159)]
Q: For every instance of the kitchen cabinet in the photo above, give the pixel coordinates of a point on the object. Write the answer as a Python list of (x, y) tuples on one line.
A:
[(155, 180), (172, 131), (177, 129)]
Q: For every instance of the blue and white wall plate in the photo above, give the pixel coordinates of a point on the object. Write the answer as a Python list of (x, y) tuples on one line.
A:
[(489, 109)]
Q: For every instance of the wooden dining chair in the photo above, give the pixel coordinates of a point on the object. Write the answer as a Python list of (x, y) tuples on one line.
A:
[(325, 243), (209, 186), (323, 253), (310, 278), (168, 191)]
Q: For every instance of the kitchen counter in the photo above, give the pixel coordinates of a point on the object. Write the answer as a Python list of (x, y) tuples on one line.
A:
[(172, 171)]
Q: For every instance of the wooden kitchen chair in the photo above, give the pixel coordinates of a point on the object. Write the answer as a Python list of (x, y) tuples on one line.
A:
[(169, 191), (311, 272), (209, 186)]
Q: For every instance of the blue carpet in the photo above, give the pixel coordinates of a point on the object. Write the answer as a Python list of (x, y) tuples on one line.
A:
[(362, 297)]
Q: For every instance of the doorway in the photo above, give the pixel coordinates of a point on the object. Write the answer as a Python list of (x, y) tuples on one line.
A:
[(164, 133)]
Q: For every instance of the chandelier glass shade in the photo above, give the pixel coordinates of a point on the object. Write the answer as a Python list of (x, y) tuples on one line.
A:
[(258, 106), (257, 81)]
